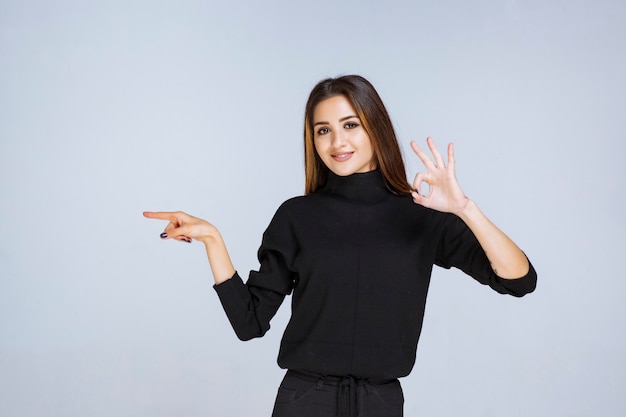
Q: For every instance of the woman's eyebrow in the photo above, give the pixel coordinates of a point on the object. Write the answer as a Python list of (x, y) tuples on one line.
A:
[(341, 120)]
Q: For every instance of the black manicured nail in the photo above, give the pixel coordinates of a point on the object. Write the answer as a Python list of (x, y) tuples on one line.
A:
[(163, 235), (416, 191)]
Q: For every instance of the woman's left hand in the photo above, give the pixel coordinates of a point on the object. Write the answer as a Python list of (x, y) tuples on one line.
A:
[(445, 193)]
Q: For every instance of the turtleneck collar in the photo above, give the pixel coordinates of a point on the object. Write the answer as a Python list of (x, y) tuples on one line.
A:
[(366, 187)]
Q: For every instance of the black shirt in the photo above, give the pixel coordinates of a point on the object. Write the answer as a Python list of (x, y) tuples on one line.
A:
[(358, 260)]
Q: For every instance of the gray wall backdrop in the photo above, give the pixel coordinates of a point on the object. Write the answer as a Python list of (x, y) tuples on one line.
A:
[(114, 107)]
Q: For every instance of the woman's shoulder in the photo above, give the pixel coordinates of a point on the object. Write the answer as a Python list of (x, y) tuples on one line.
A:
[(296, 203)]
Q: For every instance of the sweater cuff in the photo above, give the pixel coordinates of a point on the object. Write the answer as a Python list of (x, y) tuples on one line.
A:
[(520, 286), (232, 292)]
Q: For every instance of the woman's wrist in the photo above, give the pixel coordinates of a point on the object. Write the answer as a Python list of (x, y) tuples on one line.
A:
[(212, 239), (469, 211)]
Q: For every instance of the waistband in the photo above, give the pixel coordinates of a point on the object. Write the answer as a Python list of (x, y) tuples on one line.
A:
[(346, 387), (337, 380)]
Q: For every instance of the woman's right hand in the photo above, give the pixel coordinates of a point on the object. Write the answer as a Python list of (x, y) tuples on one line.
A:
[(183, 226)]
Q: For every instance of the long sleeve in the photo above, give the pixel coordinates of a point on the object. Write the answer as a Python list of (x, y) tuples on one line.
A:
[(249, 309), (250, 306), (459, 248)]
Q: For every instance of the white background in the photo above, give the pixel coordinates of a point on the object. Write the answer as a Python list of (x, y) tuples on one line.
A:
[(114, 107)]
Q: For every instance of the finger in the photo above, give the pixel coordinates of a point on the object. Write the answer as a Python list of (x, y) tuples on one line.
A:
[(417, 182), (418, 198), (172, 234), (438, 158), (179, 233), (451, 161), (428, 163), (183, 238), (161, 215), (420, 179), (168, 231)]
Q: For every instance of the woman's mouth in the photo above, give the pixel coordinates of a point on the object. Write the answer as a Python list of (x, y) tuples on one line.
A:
[(341, 156)]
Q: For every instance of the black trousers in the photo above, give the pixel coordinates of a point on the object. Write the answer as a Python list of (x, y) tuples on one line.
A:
[(303, 394)]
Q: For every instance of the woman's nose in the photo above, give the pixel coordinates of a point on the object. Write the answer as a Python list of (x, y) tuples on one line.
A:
[(338, 139)]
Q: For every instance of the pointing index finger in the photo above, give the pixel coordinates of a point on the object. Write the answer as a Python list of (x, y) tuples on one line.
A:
[(161, 215)]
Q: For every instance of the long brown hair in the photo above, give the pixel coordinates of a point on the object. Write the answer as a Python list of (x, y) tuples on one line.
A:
[(376, 122)]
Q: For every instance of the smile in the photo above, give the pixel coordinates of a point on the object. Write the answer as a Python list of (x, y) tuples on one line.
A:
[(343, 156)]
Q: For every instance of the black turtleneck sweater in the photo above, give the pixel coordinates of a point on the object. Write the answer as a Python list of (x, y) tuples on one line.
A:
[(358, 260)]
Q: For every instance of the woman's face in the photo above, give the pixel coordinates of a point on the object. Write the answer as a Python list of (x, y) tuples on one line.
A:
[(340, 139)]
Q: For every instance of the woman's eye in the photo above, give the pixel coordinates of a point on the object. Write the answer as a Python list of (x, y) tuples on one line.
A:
[(351, 125), (322, 131)]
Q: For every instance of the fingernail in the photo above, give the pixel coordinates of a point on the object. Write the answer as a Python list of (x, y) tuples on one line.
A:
[(163, 235), (416, 190)]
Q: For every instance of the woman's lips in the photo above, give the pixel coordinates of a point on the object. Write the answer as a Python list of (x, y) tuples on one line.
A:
[(342, 156)]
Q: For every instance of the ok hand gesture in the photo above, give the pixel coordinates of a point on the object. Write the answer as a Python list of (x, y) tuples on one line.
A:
[(445, 193)]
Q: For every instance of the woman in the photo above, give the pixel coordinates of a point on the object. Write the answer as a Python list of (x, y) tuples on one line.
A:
[(357, 252)]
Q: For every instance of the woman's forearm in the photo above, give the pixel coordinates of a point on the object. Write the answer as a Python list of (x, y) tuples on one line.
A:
[(219, 259), (506, 258)]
